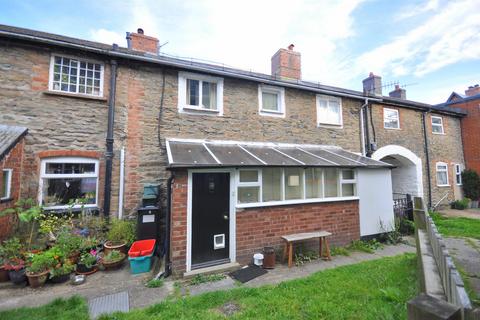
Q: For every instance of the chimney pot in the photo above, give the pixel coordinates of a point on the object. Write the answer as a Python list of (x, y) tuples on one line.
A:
[(287, 64), (140, 42)]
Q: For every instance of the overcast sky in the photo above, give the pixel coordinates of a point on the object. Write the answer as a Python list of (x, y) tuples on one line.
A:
[(432, 47)]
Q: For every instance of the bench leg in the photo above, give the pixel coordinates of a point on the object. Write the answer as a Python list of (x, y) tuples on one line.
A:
[(320, 252), (285, 251), (290, 254), (327, 248)]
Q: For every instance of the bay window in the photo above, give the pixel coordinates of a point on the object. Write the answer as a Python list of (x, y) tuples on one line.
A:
[(68, 181), (294, 185)]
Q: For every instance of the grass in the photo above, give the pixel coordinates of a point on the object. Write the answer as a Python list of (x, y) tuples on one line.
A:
[(377, 289), (154, 283), (457, 226), (200, 278), (60, 309)]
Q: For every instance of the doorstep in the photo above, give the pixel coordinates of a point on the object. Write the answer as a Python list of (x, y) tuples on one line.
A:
[(221, 267)]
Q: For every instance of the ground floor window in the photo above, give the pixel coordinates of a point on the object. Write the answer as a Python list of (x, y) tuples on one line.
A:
[(6, 186), (293, 183), (68, 181), (442, 174)]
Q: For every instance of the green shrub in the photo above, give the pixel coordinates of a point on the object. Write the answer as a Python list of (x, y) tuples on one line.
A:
[(406, 227), (11, 249), (41, 262), (471, 184), (460, 204), (61, 270), (69, 243), (365, 246), (121, 231), (154, 283), (88, 259), (339, 251)]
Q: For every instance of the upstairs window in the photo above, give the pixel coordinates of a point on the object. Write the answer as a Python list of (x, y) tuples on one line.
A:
[(391, 119), (437, 125), (200, 93), (76, 76), (271, 101), (329, 111), (6, 186), (67, 181), (442, 174)]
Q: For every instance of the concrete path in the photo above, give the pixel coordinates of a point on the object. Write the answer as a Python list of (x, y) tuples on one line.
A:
[(106, 283), (466, 253)]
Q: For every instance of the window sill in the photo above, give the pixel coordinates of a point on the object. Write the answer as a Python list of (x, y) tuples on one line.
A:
[(271, 113), (290, 202), (74, 95), (330, 126), (439, 133), (392, 128), (443, 185), (5, 200)]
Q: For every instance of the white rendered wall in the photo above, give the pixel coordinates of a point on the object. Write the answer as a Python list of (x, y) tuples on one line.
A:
[(374, 188)]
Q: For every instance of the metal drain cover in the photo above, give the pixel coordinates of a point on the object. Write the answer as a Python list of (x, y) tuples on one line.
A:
[(108, 304)]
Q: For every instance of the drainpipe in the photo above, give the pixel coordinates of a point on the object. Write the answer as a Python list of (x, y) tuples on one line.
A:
[(427, 156), (168, 218), (109, 140), (367, 131), (122, 182), (362, 127)]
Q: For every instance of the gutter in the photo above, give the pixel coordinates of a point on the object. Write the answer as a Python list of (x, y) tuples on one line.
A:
[(427, 157), (109, 141)]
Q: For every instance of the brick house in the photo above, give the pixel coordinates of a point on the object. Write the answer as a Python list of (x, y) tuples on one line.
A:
[(11, 167), (266, 154), (470, 102)]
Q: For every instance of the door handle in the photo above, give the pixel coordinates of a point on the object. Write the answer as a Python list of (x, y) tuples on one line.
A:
[(225, 217)]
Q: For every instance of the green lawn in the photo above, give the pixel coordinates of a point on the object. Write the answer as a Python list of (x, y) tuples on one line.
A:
[(376, 289), (457, 227)]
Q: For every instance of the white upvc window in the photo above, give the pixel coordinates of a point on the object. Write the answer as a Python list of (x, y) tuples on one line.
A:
[(291, 185), (271, 101), (76, 76), (442, 174), (437, 125), (458, 174), (391, 119), (6, 187), (329, 111), (198, 93), (68, 181)]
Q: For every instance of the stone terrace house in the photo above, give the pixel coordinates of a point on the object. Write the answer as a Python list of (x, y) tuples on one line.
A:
[(470, 102), (242, 157)]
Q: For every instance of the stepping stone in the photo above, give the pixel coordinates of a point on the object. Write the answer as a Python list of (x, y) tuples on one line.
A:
[(108, 304)]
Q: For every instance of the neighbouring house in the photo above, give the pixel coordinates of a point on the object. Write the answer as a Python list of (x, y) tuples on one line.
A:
[(241, 157), (11, 166), (470, 102)]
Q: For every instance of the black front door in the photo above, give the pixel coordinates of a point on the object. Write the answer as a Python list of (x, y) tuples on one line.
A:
[(210, 218)]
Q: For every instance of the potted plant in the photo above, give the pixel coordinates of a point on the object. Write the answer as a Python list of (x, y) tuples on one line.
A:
[(121, 234), (61, 273), (14, 262), (113, 259), (70, 244), (88, 263), (38, 270)]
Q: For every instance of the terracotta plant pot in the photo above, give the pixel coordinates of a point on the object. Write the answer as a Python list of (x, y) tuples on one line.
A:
[(4, 274), (37, 279), (110, 246), (17, 276), (111, 265), (83, 269), (60, 279)]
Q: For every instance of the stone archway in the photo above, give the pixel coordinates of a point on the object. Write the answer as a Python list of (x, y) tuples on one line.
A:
[(407, 177)]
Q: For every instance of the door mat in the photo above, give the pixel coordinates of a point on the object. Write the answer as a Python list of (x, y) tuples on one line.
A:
[(108, 304), (248, 273)]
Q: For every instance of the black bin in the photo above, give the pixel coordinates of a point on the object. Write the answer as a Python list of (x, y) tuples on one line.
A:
[(148, 223)]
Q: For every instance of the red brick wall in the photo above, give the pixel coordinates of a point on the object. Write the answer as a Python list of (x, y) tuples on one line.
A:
[(259, 227), (13, 160), (470, 133)]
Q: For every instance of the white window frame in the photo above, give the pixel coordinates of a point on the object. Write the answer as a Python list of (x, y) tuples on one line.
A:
[(8, 191), (183, 107), (347, 181), (304, 199), (51, 73), (437, 125), (280, 92), (44, 175), (322, 123), (384, 118), (438, 164), (458, 174)]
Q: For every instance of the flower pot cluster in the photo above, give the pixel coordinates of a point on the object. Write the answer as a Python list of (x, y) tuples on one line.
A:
[(51, 246)]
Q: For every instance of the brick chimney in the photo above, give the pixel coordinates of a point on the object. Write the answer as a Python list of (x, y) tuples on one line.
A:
[(472, 90), (140, 42), (398, 93), (287, 64), (372, 85)]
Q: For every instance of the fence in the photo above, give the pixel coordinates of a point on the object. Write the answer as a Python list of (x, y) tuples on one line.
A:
[(452, 284)]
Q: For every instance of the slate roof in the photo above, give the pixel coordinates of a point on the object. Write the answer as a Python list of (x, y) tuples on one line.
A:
[(461, 99), (218, 69), (9, 136)]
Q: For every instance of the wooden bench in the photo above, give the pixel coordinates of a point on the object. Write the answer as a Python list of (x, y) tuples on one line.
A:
[(298, 237)]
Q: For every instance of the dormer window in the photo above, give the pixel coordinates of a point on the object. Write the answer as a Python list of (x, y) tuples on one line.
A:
[(76, 76), (200, 93), (271, 101)]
